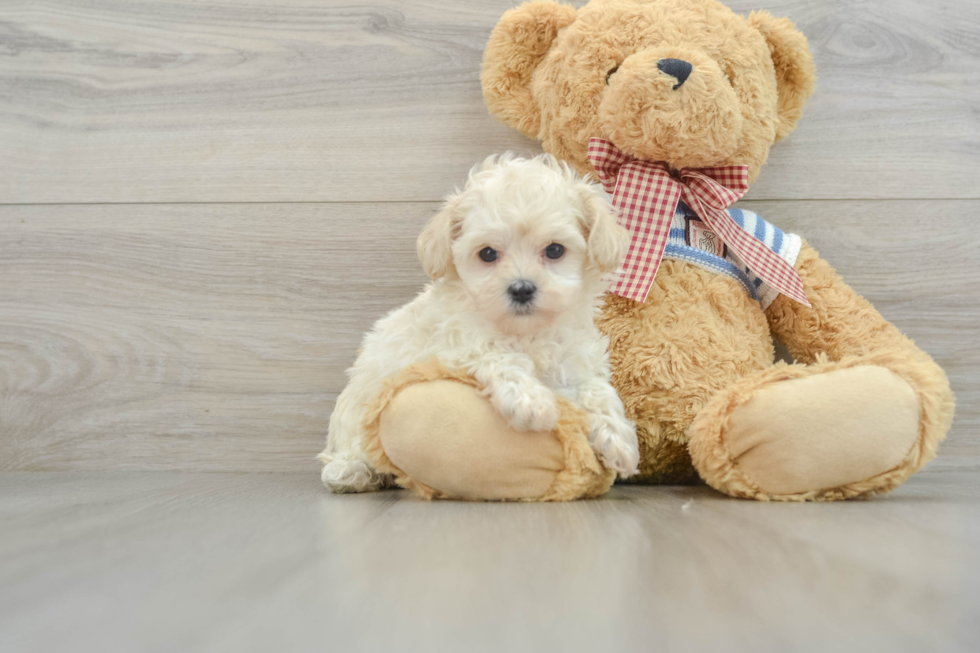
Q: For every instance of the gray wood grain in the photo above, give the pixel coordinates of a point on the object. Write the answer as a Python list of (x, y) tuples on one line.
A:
[(214, 337), (271, 562), (148, 101)]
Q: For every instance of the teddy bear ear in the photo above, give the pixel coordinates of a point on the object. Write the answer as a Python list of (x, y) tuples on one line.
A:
[(517, 45), (795, 73)]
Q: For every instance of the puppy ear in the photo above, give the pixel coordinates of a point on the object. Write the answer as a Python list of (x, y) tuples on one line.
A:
[(796, 75), (517, 45), (607, 241), (435, 243)]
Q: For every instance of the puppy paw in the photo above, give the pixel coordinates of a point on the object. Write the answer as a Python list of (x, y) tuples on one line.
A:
[(526, 405), (344, 473), (614, 441)]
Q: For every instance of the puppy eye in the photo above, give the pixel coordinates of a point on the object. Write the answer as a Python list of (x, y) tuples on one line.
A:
[(554, 251), (488, 255), (611, 73)]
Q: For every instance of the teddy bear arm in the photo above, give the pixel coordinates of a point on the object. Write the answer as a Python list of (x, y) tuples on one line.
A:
[(838, 323)]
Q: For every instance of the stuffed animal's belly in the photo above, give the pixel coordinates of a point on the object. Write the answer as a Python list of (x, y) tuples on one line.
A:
[(697, 332)]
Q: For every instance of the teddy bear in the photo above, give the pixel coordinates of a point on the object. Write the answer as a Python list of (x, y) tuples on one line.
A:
[(673, 105)]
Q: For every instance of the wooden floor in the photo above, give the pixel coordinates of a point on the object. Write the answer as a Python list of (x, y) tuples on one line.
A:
[(171, 561), (204, 204)]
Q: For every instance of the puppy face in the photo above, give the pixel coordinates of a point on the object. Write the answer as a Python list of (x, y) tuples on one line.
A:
[(527, 239)]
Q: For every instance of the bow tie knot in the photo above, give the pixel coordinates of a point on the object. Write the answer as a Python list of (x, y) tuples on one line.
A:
[(646, 194)]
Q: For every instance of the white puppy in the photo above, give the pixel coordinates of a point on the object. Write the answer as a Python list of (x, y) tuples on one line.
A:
[(517, 261)]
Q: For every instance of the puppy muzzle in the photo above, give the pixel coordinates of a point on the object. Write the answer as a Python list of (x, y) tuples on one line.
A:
[(522, 293)]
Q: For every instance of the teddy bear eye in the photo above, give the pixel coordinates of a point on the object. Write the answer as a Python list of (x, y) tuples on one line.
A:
[(611, 73)]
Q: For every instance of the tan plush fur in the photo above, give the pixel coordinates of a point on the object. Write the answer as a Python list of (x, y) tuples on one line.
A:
[(545, 72), (697, 333), (698, 349)]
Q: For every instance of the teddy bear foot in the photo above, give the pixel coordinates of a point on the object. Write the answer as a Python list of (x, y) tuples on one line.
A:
[(440, 436), (797, 433)]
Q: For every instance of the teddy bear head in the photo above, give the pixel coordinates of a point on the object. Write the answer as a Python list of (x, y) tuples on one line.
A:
[(686, 82)]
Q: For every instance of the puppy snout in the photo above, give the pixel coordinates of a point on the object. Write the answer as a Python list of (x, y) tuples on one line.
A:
[(522, 291)]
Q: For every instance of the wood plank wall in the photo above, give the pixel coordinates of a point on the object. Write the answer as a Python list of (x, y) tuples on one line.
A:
[(203, 205)]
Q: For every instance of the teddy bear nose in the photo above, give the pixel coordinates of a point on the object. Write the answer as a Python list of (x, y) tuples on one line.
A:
[(676, 68)]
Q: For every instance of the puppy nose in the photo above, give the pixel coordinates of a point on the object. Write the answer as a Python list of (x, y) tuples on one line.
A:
[(676, 68), (522, 291)]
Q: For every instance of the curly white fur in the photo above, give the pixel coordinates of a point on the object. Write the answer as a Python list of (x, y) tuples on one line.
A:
[(523, 354)]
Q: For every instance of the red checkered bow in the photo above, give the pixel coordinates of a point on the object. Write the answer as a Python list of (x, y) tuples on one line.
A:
[(646, 195)]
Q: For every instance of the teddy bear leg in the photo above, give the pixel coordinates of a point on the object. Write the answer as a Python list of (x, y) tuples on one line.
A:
[(819, 432), (864, 411), (440, 437)]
